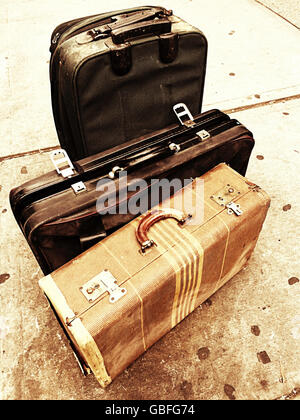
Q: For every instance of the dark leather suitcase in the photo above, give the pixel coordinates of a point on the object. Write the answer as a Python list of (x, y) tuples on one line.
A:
[(114, 75), (59, 212)]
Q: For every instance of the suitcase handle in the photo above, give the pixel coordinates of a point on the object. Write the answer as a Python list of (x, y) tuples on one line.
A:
[(156, 26), (125, 19), (155, 216), (120, 21)]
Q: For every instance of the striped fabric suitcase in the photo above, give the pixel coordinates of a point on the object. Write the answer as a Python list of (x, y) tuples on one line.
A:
[(119, 297)]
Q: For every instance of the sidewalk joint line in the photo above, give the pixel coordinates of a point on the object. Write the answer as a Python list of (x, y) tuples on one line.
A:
[(31, 152), (261, 104), (278, 14), (226, 111)]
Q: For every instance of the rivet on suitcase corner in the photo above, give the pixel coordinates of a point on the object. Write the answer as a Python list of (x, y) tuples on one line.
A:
[(103, 282)]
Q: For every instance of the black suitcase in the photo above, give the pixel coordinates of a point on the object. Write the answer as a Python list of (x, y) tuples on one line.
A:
[(59, 212), (114, 75)]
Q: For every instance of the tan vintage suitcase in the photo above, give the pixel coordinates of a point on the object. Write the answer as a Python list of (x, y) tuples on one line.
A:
[(123, 294)]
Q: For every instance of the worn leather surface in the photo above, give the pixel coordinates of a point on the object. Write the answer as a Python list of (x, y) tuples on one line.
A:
[(140, 101), (96, 109), (62, 225)]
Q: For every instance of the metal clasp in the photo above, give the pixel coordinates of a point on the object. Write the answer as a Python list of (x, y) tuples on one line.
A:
[(103, 282), (203, 135), (62, 163), (182, 110), (234, 208), (78, 187)]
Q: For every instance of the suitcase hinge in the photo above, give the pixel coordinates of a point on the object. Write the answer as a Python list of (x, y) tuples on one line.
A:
[(181, 111), (103, 282), (62, 163)]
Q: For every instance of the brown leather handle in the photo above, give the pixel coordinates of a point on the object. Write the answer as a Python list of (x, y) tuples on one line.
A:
[(152, 217), (157, 26)]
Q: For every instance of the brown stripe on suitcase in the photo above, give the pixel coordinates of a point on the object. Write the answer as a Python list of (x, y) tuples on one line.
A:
[(185, 255)]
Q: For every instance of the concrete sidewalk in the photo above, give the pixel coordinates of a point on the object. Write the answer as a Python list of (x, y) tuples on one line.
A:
[(244, 342)]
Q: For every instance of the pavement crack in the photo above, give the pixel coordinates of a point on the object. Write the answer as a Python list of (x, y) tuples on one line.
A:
[(226, 111), (29, 153)]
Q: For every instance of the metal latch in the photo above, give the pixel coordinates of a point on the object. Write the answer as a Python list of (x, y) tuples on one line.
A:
[(234, 208), (182, 110), (203, 135), (78, 187), (225, 197), (103, 282), (62, 163)]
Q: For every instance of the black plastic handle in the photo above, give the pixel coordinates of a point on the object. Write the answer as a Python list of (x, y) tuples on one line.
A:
[(126, 19), (157, 26)]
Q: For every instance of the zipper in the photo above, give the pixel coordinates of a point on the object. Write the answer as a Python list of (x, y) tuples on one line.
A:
[(90, 203), (172, 148), (172, 135), (63, 27), (62, 36), (88, 213), (105, 163)]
